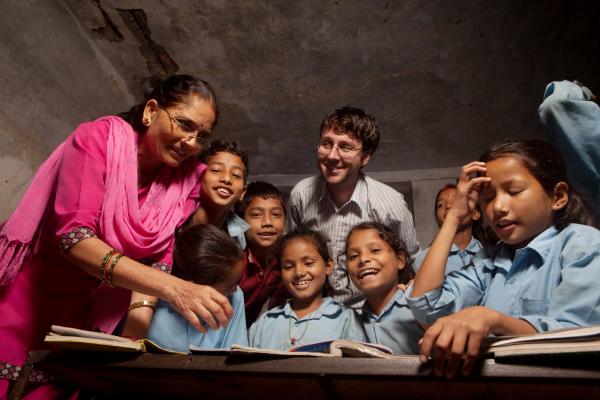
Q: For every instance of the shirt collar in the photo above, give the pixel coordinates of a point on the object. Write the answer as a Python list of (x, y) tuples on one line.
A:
[(473, 247), (399, 299), (236, 226), (328, 308), (359, 195), (540, 245)]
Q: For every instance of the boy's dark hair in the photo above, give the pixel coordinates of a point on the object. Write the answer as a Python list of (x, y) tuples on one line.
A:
[(546, 165), (311, 236), (204, 254), (168, 92), (259, 189), (396, 244), (227, 146), (356, 123)]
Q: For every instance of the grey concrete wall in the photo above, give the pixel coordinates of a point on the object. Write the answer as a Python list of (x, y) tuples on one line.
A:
[(445, 79), (51, 78)]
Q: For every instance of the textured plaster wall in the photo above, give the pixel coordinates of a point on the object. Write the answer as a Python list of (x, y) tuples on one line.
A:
[(445, 79), (51, 78)]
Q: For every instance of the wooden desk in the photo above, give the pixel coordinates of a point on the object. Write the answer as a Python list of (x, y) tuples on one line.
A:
[(244, 377)]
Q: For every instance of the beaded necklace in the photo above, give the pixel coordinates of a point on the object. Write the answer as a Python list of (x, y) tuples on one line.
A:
[(294, 340)]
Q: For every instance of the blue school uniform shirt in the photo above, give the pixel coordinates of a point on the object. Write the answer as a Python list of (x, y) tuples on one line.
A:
[(237, 227), (457, 258), (275, 328), (551, 283), (171, 330), (395, 326), (572, 124)]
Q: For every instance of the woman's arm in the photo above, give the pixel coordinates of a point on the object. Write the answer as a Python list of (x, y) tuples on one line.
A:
[(193, 301)]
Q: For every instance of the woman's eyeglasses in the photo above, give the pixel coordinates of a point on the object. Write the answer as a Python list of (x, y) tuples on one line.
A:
[(200, 136)]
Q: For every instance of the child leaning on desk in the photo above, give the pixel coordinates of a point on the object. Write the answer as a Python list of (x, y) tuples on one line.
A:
[(204, 254), (543, 274)]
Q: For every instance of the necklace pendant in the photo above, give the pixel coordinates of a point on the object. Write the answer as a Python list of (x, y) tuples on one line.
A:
[(293, 341)]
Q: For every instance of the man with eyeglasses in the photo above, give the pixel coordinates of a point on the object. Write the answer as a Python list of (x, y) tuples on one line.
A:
[(342, 196)]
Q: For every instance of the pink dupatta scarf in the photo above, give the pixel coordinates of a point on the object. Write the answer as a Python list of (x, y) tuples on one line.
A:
[(137, 232)]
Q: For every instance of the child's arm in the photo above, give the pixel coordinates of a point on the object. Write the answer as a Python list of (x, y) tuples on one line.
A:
[(457, 337), (571, 120), (431, 272)]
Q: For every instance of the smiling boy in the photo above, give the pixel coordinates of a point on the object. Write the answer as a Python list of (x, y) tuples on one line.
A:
[(263, 208), (223, 184), (342, 196)]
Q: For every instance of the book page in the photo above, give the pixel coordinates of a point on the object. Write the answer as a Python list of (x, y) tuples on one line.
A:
[(560, 335), (66, 331)]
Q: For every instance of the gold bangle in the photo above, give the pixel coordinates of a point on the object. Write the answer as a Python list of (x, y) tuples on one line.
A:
[(142, 303)]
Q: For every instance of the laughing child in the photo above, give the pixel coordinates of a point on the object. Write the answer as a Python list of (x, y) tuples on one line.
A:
[(377, 263)]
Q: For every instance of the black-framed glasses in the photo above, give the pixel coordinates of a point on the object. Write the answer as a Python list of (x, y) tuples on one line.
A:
[(200, 136), (345, 150)]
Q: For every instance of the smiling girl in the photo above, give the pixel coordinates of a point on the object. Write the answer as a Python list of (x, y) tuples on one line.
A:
[(377, 263), (308, 317), (542, 276)]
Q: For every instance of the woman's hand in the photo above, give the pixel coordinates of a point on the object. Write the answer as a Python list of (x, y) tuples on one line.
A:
[(456, 339), (199, 303), (469, 186)]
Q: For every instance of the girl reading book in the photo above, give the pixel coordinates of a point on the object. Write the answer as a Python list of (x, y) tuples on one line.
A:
[(542, 275), (204, 255), (308, 317), (377, 263)]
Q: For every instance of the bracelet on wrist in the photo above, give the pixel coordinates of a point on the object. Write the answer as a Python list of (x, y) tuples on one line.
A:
[(142, 303)]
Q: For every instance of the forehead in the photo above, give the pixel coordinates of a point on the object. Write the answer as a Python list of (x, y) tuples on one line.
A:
[(265, 202), (227, 158), (196, 109), (363, 236), (297, 248), (335, 136), (506, 169), (446, 192)]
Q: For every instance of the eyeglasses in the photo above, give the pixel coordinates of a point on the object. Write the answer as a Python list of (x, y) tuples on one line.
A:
[(200, 136), (345, 150)]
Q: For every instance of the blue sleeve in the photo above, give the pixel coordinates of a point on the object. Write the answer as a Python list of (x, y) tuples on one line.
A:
[(236, 329), (419, 259), (353, 327), (575, 301), (572, 125), (461, 289)]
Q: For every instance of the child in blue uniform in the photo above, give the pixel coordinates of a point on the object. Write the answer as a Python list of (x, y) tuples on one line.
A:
[(305, 264), (205, 255), (377, 263), (542, 276), (465, 244)]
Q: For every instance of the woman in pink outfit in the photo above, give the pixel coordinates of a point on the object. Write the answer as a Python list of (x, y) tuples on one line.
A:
[(99, 213)]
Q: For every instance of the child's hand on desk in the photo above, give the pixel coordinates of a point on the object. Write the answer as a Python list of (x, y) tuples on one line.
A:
[(455, 339)]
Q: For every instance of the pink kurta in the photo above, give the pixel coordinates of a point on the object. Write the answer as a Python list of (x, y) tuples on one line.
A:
[(51, 290)]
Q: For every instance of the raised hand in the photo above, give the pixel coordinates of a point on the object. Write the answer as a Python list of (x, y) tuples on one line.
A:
[(471, 181)]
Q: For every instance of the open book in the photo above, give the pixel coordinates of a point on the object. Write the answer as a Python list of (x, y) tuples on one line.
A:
[(78, 339), (328, 348), (563, 341)]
